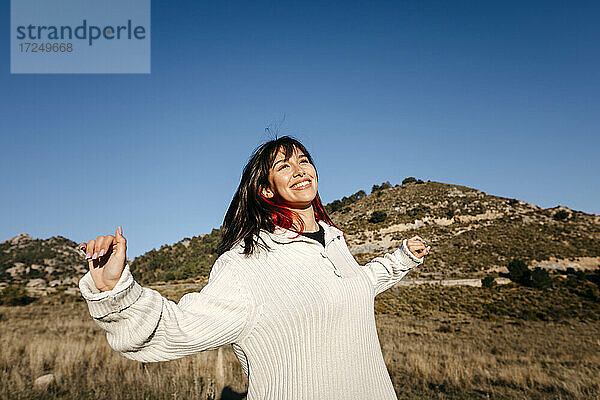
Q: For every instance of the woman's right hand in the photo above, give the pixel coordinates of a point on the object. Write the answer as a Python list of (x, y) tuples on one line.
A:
[(106, 257)]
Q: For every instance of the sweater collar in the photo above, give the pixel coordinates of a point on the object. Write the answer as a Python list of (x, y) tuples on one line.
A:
[(282, 235)]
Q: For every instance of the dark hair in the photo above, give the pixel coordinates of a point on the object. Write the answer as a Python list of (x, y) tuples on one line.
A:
[(249, 211)]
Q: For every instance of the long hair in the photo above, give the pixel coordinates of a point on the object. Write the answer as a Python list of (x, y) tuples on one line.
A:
[(249, 211)]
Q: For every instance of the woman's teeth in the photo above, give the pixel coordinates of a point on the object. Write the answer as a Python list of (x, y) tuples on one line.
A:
[(301, 185)]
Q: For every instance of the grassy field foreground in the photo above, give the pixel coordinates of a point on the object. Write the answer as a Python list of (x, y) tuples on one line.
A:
[(438, 343)]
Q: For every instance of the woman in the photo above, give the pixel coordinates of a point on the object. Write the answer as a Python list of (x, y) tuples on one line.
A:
[(285, 292)]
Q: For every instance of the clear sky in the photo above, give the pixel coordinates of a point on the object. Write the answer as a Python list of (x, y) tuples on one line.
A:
[(499, 96)]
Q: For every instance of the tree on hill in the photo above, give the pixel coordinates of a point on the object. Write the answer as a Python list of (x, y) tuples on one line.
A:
[(561, 215), (412, 179), (378, 216), (488, 282), (341, 205), (384, 185), (540, 278), (518, 272)]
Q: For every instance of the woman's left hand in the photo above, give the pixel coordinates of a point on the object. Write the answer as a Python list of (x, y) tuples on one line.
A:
[(416, 245)]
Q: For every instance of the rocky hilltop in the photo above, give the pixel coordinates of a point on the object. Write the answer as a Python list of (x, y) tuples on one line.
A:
[(40, 264), (470, 232)]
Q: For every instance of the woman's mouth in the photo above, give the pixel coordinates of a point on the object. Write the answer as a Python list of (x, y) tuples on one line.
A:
[(301, 185)]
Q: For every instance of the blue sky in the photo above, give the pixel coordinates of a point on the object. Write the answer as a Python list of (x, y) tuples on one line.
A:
[(499, 96)]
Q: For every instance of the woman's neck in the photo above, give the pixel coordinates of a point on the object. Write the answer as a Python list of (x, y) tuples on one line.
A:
[(308, 218)]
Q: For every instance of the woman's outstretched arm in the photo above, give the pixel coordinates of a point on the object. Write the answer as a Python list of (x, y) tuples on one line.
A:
[(142, 325), (387, 270)]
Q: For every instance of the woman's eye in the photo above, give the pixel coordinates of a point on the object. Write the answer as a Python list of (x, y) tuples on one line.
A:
[(282, 167), (305, 160)]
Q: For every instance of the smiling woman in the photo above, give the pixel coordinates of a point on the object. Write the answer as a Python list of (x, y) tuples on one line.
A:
[(295, 306), (279, 188), (293, 179)]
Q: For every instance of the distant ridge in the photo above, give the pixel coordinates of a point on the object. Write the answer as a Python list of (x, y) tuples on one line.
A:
[(40, 264)]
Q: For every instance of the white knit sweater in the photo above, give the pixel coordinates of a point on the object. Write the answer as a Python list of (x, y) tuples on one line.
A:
[(300, 318)]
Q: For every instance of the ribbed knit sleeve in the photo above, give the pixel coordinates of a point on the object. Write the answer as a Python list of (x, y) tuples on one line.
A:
[(387, 270), (142, 325)]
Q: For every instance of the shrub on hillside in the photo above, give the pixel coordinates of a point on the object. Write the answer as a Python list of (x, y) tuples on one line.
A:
[(594, 277), (561, 215), (378, 216), (579, 284), (519, 272), (540, 278), (412, 179), (419, 211), (14, 295), (488, 282), (341, 205), (384, 185)]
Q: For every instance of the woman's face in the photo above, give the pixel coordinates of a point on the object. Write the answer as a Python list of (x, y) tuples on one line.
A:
[(293, 180)]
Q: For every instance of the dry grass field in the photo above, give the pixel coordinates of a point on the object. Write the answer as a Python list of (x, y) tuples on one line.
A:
[(62, 339), (438, 343), (438, 355), (463, 358)]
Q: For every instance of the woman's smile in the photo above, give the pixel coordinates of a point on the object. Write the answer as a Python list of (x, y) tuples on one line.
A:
[(301, 185)]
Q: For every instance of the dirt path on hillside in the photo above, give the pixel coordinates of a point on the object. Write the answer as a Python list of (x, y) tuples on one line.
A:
[(449, 282)]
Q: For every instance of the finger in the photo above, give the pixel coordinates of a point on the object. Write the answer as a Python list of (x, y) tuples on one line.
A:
[(97, 247), (94, 263), (416, 244), (119, 234), (121, 242), (417, 251), (419, 238), (106, 245), (423, 252), (89, 249)]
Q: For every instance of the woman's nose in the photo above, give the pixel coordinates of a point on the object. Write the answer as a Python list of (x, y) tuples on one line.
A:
[(298, 170)]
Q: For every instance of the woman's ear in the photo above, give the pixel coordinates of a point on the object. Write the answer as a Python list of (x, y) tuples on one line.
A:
[(267, 193)]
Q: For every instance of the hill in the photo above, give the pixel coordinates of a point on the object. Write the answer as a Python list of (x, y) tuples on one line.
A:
[(190, 257), (40, 264), (471, 233)]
